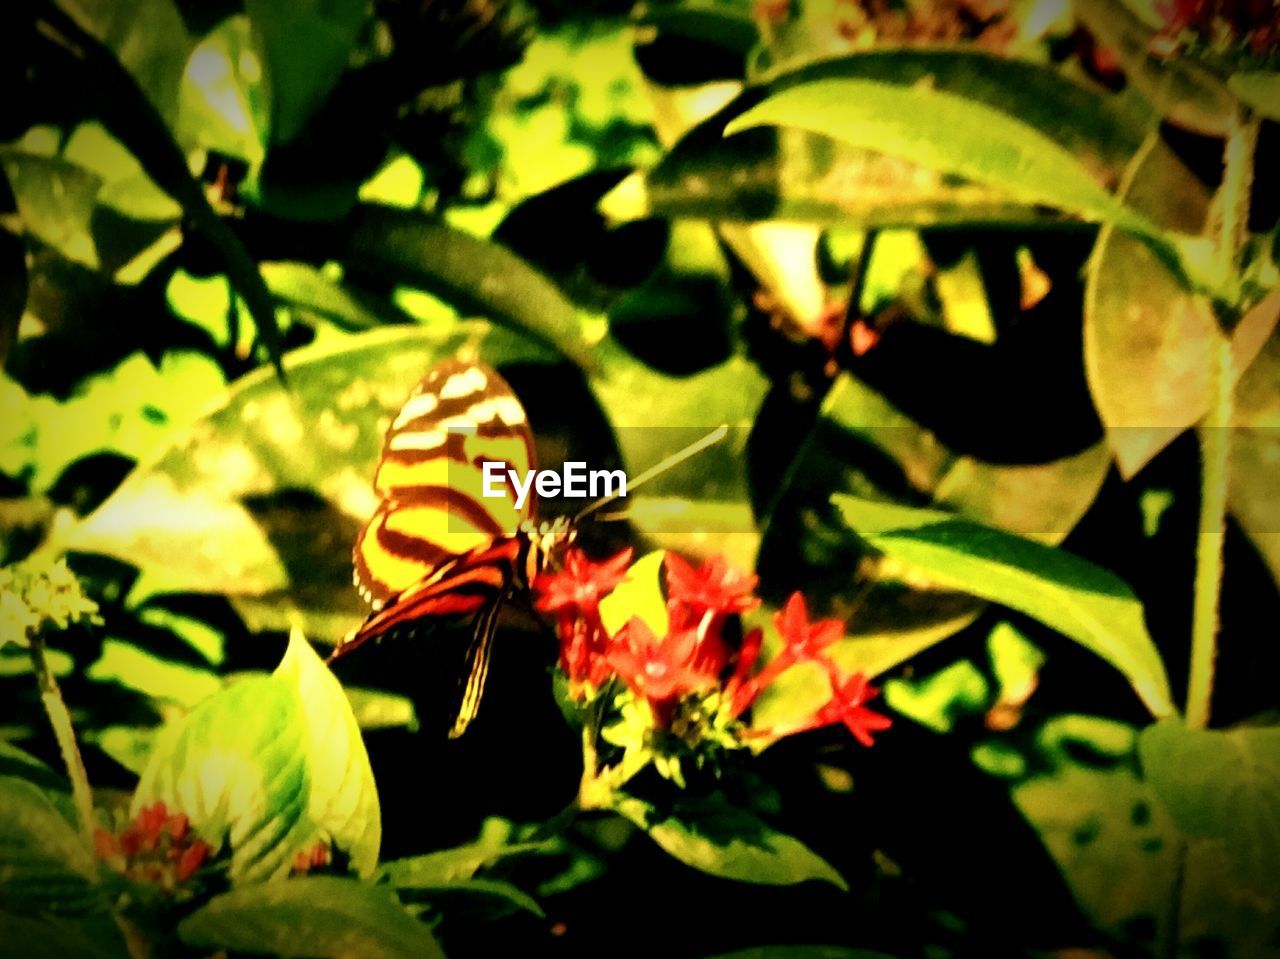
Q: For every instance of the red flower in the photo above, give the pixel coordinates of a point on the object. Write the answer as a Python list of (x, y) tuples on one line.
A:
[(191, 859), (306, 860), (715, 586), (741, 689), (155, 847), (805, 640), (656, 671), (846, 706), (579, 586)]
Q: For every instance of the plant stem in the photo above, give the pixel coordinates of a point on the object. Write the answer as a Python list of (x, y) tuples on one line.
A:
[(1231, 209), (1231, 202), (64, 733), (1215, 449)]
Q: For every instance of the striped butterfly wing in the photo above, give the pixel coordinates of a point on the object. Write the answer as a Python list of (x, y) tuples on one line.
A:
[(430, 479), (436, 547)]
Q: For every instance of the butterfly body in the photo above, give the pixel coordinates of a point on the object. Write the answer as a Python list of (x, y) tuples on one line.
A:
[(436, 547)]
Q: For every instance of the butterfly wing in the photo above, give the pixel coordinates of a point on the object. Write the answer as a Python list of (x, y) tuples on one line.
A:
[(430, 480)]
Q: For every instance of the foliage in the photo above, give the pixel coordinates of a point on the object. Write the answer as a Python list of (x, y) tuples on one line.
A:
[(985, 296)]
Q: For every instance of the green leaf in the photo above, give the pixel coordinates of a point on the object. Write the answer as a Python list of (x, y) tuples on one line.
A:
[(271, 765), (310, 290), (1259, 90), (307, 46), (148, 38), (56, 200), (343, 796), (316, 917), (1224, 786), (948, 133), (639, 595), (1084, 602), (477, 276), (719, 839), (47, 866), (222, 104), (511, 894), (126, 187), (759, 175), (449, 866), (1148, 336), (1112, 842)]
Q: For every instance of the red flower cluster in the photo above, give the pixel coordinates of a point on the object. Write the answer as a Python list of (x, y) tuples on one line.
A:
[(311, 859), (694, 658), (1254, 23), (156, 848)]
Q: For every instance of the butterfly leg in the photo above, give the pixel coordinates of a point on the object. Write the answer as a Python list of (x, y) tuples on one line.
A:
[(479, 652)]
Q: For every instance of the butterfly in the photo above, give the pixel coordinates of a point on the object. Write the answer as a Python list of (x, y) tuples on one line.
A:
[(436, 547)]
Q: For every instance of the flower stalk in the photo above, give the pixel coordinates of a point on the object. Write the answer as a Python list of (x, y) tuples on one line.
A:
[(55, 708)]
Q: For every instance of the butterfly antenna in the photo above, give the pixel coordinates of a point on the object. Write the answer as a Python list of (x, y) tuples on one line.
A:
[(675, 459)]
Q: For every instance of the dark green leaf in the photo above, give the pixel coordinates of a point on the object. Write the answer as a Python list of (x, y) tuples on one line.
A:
[(1083, 602), (20, 764), (307, 46), (27, 937), (722, 25), (311, 918), (728, 842), (47, 866), (148, 37), (472, 274), (1221, 785)]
